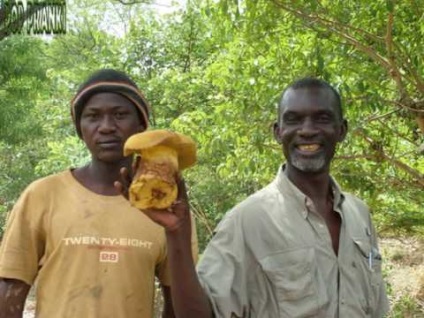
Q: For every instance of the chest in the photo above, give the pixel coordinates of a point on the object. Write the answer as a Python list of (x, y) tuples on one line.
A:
[(103, 233), (331, 218), (299, 268)]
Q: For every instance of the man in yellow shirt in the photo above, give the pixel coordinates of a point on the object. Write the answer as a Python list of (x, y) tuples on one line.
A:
[(299, 247), (92, 253)]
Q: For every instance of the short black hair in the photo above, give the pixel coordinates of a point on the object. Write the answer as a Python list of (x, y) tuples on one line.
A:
[(313, 82)]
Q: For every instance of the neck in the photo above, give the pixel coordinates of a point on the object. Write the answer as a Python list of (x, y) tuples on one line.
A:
[(99, 176), (314, 185), (107, 173)]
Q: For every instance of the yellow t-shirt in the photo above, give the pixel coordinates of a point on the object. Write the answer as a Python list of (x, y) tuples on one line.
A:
[(92, 255)]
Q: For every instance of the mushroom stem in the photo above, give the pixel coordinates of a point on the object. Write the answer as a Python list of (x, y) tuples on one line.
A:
[(160, 155), (153, 186)]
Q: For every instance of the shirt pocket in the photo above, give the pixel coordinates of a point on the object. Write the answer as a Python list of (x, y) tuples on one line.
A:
[(371, 257), (291, 275), (370, 264)]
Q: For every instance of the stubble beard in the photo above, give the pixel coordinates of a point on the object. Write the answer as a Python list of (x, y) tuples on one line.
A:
[(316, 164)]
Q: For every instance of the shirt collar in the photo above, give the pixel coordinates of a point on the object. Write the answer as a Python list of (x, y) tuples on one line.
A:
[(286, 187)]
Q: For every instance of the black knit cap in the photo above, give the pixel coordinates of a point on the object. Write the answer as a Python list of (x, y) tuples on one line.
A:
[(109, 81)]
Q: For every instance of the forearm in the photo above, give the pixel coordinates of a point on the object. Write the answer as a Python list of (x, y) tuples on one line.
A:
[(13, 294), (167, 314), (188, 296)]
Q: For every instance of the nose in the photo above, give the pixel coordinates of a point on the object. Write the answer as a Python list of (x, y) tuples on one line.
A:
[(107, 125), (307, 128)]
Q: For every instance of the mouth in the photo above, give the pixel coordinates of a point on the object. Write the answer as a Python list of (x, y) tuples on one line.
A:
[(309, 148), (109, 143)]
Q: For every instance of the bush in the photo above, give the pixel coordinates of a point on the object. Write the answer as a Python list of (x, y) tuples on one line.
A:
[(3, 215)]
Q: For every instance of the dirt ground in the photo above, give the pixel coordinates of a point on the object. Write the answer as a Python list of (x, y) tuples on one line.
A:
[(404, 273), (404, 270)]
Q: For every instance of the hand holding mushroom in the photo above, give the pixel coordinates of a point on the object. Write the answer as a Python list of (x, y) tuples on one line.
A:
[(163, 154)]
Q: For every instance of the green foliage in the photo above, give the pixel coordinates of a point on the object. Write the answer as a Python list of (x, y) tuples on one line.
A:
[(215, 71), (3, 213), (406, 306), (23, 83), (63, 154), (21, 77), (17, 166), (367, 56)]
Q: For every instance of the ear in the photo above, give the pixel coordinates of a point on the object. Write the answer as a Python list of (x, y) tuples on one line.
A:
[(277, 133), (343, 130)]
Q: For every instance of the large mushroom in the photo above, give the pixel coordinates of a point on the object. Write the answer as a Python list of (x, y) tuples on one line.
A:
[(163, 153)]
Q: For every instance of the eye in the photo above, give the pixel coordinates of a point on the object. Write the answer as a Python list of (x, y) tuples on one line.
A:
[(120, 114), (91, 116), (291, 118), (324, 118)]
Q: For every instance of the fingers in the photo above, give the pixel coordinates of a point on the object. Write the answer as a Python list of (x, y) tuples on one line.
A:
[(169, 221), (123, 185), (125, 176), (135, 164), (182, 190), (156, 211), (118, 186), (121, 189)]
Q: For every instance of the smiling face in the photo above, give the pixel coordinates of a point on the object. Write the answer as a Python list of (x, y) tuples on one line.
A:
[(107, 120), (309, 128)]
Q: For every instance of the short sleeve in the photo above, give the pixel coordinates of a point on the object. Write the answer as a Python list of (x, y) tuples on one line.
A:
[(223, 267), (23, 242), (163, 272)]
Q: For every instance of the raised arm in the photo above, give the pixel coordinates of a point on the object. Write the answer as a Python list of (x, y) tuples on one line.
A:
[(168, 310), (188, 297), (13, 294)]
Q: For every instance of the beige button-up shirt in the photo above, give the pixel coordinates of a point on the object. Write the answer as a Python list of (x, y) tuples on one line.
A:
[(272, 257)]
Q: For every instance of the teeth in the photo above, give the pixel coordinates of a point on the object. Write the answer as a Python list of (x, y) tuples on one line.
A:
[(313, 147)]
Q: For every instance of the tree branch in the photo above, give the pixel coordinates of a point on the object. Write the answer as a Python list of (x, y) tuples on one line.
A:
[(394, 71), (399, 164), (352, 157), (337, 24), (408, 67), (395, 132), (388, 63), (187, 62), (142, 2), (200, 214), (417, 106), (340, 30), (378, 117)]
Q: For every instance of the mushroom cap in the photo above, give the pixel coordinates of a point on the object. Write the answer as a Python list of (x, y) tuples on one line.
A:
[(183, 145)]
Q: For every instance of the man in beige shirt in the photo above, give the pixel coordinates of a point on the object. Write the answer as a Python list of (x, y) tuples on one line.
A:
[(300, 247)]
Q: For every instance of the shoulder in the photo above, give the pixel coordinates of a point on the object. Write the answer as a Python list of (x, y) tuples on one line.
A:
[(50, 180), (254, 207), (34, 199), (47, 184), (353, 202), (356, 213), (258, 200)]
